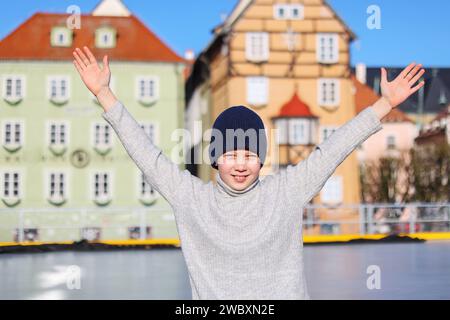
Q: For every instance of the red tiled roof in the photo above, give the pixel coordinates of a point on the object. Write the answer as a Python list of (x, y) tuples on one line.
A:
[(135, 42), (295, 108), (365, 96)]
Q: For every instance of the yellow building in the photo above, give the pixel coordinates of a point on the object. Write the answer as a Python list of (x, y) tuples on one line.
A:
[(275, 55)]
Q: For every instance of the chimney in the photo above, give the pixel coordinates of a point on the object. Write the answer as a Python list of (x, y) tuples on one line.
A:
[(189, 55), (361, 73)]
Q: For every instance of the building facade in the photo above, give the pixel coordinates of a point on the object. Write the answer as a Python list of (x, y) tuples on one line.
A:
[(58, 154)]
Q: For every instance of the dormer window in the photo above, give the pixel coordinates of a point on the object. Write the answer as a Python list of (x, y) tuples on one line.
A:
[(58, 89), (13, 88), (61, 37), (105, 37), (288, 12)]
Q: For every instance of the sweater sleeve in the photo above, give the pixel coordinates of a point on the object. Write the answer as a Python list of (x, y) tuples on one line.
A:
[(174, 184), (307, 178)]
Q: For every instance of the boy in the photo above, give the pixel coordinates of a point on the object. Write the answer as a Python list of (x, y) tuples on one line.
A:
[(241, 238)]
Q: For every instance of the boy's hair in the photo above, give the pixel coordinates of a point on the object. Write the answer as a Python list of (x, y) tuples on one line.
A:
[(237, 128)]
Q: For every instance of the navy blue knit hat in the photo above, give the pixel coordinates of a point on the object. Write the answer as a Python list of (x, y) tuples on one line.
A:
[(247, 132)]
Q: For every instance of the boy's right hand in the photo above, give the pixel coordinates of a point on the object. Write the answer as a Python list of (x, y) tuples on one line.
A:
[(95, 79)]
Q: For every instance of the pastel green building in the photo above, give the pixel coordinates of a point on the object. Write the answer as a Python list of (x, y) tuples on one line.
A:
[(64, 173)]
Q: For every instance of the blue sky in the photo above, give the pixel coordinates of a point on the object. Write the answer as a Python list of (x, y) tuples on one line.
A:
[(411, 30)]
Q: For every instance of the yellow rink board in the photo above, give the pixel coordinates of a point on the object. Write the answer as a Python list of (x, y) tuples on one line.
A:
[(306, 239)]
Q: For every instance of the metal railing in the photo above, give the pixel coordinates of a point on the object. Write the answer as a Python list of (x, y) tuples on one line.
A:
[(124, 223)]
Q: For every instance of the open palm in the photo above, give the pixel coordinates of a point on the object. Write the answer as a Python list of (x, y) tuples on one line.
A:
[(93, 77), (401, 88)]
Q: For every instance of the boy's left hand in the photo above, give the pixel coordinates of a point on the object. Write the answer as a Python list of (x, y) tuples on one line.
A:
[(398, 90)]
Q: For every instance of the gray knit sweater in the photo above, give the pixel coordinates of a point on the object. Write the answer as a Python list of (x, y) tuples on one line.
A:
[(246, 244)]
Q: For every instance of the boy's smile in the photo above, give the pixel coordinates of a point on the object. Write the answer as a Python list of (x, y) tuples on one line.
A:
[(239, 168)]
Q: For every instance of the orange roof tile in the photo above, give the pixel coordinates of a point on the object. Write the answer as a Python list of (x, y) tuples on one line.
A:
[(135, 42), (295, 108)]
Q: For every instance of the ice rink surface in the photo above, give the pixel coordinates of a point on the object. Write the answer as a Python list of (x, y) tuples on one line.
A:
[(367, 271)]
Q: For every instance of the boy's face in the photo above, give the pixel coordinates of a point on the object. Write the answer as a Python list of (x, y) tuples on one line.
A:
[(239, 168)]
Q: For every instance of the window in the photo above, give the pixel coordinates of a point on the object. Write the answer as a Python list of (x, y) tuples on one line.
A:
[(327, 131), (58, 132), (11, 184), (13, 88), (146, 192), (61, 37), (332, 190), (257, 46), (58, 89), (329, 92), (390, 141), (102, 187), (101, 136), (13, 134), (56, 187), (105, 37), (288, 11), (57, 136), (280, 125), (298, 131), (152, 131), (257, 90), (147, 89), (327, 48)]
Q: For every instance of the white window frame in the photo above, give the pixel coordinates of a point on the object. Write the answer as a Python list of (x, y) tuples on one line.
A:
[(146, 125), (13, 145), (147, 99), (281, 126), (251, 40), (59, 98), (289, 11), (20, 183), (57, 32), (257, 91), (102, 144), (105, 197), (325, 131), (327, 55), (322, 97), (49, 124), (294, 137), (47, 185), (14, 97), (333, 190), (100, 33)]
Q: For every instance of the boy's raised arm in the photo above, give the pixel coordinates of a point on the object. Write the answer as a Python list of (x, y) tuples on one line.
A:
[(309, 176), (164, 175)]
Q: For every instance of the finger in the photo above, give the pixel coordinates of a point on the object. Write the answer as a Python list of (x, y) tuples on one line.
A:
[(417, 77), (407, 70), (79, 60), (78, 67), (106, 63), (420, 85), (83, 57), (90, 55), (413, 72), (383, 75)]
